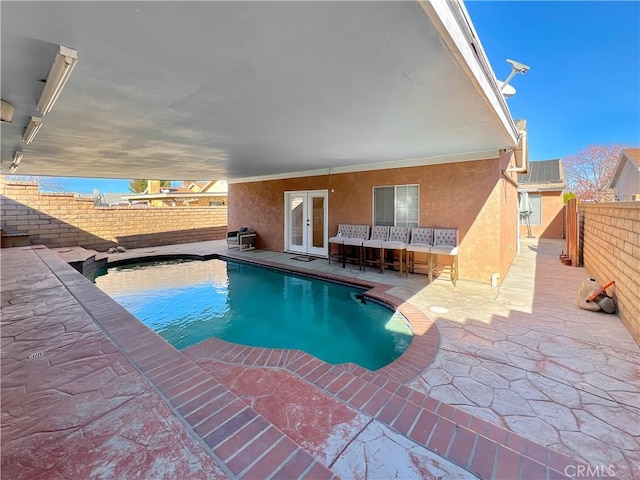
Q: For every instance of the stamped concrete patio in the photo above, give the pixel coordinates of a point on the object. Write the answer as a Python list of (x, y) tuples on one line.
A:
[(509, 382)]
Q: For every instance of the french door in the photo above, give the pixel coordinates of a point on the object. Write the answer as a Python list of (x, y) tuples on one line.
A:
[(306, 219)]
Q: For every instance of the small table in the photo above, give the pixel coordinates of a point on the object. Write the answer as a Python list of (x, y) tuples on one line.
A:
[(246, 241)]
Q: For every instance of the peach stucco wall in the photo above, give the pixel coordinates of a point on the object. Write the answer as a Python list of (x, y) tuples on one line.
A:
[(552, 217), (472, 196), (508, 223)]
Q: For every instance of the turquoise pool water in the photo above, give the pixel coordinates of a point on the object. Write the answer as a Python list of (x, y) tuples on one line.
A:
[(188, 301)]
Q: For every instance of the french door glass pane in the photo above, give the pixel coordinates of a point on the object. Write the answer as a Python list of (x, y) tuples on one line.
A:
[(318, 222), (296, 206)]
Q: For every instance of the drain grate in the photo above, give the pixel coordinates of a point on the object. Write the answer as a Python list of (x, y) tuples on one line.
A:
[(36, 355)]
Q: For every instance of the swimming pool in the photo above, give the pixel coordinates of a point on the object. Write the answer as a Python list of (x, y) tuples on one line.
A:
[(188, 301)]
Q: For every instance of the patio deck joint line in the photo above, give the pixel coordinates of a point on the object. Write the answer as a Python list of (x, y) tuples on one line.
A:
[(284, 462), (353, 439), (262, 455)]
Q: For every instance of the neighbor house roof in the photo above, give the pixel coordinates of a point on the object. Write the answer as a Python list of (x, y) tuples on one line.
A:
[(543, 175), (112, 199), (212, 188), (631, 155)]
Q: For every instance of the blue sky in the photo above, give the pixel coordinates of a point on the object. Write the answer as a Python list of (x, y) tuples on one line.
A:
[(584, 84)]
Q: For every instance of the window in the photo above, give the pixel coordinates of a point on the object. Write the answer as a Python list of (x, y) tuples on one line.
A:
[(535, 200), (396, 206)]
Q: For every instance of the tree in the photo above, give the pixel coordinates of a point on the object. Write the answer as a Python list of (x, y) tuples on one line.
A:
[(588, 172), (139, 186)]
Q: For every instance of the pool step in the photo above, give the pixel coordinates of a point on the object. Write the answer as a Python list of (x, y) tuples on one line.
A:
[(14, 239)]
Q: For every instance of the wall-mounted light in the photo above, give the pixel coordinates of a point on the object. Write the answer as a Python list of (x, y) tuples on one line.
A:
[(6, 111), (17, 157), (33, 127), (63, 64)]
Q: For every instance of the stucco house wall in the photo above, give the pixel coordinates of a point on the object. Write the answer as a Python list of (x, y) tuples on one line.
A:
[(472, 196), (628, 182), (552, 225)]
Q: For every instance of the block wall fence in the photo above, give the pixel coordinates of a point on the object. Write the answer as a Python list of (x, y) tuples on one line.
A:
[(610, 240), (63, 219)]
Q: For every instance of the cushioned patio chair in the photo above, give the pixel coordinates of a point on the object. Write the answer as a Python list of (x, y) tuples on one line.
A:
[(398, 237), (244, 239), (344, 231), (445, 242), (379, 234), (421, 242), (359, 233)]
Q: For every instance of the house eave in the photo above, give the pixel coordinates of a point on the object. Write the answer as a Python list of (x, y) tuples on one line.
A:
[(540, 188), (620, 165), (455, 27), (160, 196), (414, 162)]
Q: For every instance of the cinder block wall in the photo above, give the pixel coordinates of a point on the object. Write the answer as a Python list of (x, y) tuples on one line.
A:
[(611, 251), (62, 220)]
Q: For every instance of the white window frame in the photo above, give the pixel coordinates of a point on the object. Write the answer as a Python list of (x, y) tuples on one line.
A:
[(395, 207)]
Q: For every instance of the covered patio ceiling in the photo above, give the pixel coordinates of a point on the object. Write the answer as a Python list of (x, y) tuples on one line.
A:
[(248, 90)]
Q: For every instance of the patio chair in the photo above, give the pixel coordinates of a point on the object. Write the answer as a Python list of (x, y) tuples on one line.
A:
[(421, 242), (359, 233), (379, 234), (344, 231), (244, 239), (445, 242), (398, 237)]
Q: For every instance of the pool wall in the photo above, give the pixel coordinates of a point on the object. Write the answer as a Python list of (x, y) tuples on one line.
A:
[(405, 368)]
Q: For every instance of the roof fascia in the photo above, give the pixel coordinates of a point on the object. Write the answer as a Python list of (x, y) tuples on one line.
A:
[(416, 162), (616, 172), (159, 196), (451, 19)]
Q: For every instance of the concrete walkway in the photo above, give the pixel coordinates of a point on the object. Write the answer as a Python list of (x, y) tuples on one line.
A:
[(526, 358), (522, 358)]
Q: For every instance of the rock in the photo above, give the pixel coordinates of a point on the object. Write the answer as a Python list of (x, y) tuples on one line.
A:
[(607, 305), (587, 288)]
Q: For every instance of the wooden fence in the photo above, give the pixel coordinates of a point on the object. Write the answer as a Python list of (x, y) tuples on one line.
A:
[(573, 232)]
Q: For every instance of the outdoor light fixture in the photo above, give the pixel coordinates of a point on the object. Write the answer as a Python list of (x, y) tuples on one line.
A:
[(17, 156), (6, 111), (33, 127), (63, 64)]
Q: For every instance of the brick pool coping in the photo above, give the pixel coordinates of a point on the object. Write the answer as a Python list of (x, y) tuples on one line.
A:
[(221, 421)]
